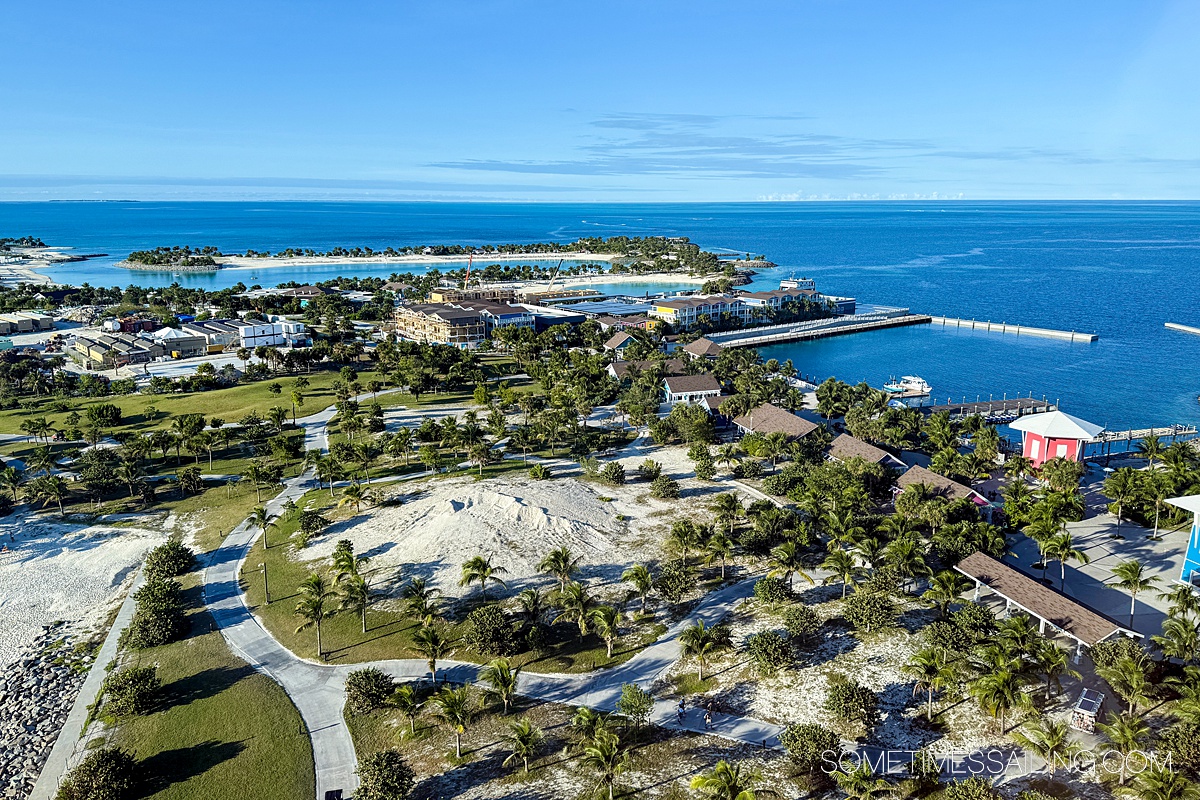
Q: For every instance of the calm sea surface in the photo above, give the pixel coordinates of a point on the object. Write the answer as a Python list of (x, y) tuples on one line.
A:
[(1116, 269)]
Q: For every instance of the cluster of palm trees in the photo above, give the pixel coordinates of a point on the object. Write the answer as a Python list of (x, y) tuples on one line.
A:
[(345, 582), (998, 672), (1173, 470)]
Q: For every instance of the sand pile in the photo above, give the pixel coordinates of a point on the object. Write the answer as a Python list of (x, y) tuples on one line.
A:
[(61, 571), (514, 520)]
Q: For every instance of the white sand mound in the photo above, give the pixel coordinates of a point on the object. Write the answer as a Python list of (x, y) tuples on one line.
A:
[(514, 520), (61, 571)]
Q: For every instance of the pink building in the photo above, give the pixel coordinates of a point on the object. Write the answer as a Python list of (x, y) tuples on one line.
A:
[(1054, 435)]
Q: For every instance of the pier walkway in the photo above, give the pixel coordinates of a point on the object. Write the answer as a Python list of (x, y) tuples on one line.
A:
[(1175, 326), (815, 329), (1019, 330), (993, 411)]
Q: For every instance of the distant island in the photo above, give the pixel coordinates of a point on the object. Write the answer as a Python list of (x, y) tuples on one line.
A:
[(625, 255)]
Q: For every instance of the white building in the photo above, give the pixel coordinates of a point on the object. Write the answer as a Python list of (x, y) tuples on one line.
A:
[(691, 388)]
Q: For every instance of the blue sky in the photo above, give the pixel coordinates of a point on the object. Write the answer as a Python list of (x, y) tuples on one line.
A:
[(639, 101)]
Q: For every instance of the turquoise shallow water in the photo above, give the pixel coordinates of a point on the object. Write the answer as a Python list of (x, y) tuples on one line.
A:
[(1118, 269)]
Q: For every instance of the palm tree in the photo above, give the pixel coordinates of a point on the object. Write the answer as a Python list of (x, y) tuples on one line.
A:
[(725, 781), (727, 509), (328, 470), (718, 546), (1126, 734), (357, 597), (12, 479), (861, 783), (259, 518), (638, 576), (1061, 548), (1182, 598), (561, 564), (433, 646), (345, 564), (130, 472), (1122, 488), (702, 641), (1179, 639), (685, 535), (576, 606), (314, 593), (999, 691), (50, 488), (1054, 662), (1048, 739), (524, 739), (1163, 783), (607, 757), (1129, 678), (906, 556), (421, 600), (533, 604), (501, 678), (728, 454), (945, 588), (481, 455), (356, 494), (785, 560), (1150, 448), (1131, 577), (844, 568), (480, 569), (456, 708), (606, 621), (405, 701), (932, 671)]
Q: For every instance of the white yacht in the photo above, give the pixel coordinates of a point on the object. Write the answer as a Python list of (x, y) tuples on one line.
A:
[(908, 385)]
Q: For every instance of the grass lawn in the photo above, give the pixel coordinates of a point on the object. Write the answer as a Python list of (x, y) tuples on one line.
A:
[(222, 731), (229, 404), (389, 633)]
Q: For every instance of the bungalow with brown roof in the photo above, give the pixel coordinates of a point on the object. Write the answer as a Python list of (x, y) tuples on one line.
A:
[(703, 348), (941, 485), (691, 388), (619, 342), (845, 446), (769, 418)]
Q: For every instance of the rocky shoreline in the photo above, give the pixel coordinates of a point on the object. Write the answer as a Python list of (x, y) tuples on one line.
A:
[(167, 267), (36, 694)]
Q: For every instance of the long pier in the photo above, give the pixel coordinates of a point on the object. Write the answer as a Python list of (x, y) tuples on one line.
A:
[(1019, 330), (993, 410), (815, 329), (1175, 326)]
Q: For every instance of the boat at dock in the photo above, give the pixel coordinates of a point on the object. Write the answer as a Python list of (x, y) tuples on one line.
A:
[(908, 386)]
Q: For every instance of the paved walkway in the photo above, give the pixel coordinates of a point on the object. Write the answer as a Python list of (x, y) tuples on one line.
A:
[(70, 746)]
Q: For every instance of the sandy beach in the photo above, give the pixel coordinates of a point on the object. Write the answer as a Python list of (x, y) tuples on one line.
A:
[(481, 259), (21, 264), (62, 571)]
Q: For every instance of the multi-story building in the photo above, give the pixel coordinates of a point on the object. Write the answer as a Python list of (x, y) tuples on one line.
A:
[(218, 334), (685, 312), (98, 350), (452, 295), (497, 315), (441, 324)]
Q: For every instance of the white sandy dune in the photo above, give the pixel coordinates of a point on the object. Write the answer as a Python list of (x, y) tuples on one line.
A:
[(61, 571)]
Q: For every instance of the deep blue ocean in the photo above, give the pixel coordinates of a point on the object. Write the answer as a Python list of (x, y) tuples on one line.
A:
[(1117, 269)]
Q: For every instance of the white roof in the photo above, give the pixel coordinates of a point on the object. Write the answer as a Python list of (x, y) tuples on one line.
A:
[(1189, 503), (172, 333), (1057, 425)]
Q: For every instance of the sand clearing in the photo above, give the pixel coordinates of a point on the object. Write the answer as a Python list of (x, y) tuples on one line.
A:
[(63, 571), (517, 521)]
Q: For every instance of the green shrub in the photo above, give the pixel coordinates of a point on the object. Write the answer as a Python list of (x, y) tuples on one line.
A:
[(772, 590), (1108, 653), (169, 560), (850, 701), (868, 611), (635, 704), (801, 622), (750, 468), (649, 469), (975, 621), (674, 581), (706, 470), (613, 474), (971, 789), (1181, 742), (769, 651), (104, 774), (539, 472), (811, 748), (131, 691), (490, 631), (664, 487), (159, 616), (384, 775), (368, 689)]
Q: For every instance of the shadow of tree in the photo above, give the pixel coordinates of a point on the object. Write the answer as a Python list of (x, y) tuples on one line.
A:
[(161, 770), (205, 683)]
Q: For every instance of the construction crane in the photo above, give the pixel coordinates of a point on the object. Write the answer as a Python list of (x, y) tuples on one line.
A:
[(554, 275)]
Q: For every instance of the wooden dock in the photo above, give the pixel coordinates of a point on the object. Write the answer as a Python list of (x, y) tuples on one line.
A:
[(1019, 330), (1172, 432), (993, 411), (1175, 326)]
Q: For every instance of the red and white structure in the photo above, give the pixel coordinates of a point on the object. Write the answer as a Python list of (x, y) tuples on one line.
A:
[(1054, 435)]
